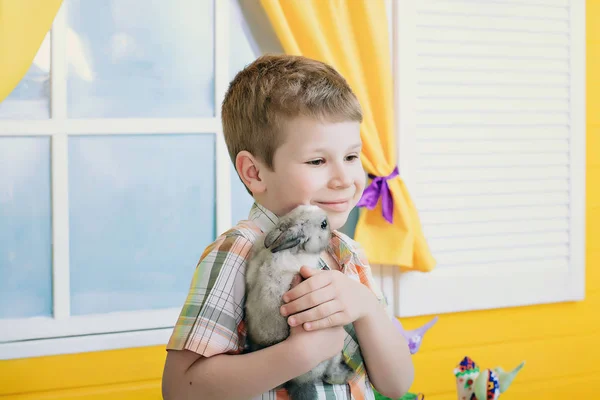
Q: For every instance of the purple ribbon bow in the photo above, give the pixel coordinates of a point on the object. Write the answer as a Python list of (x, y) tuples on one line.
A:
[(379, 187)]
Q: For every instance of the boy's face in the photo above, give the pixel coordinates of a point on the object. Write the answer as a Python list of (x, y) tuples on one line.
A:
[(318, 163)]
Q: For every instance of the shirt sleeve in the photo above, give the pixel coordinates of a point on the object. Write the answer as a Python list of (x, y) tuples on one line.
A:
[(365, 275), (211, 320)]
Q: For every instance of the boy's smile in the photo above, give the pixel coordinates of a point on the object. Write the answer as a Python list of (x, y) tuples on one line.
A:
[(318, 163), (335, 206)]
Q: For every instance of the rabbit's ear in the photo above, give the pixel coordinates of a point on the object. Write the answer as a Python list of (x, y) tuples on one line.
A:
[(278, 240), (272, 236)]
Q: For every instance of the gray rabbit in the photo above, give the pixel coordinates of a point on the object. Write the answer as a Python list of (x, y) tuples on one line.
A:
[(298, 239)]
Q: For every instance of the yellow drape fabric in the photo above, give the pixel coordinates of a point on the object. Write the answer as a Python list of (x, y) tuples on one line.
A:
[(352, 36), (23, 26)]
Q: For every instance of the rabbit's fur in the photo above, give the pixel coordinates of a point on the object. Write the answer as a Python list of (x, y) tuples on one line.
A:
[(298, 239)]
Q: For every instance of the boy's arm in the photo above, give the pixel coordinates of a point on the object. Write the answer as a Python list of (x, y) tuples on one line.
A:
[(385, 351), (188, 375)]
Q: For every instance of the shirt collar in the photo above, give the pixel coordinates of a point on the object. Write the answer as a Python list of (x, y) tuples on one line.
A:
[(262, 217)]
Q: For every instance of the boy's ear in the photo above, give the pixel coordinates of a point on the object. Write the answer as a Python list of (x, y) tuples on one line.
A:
[(249, 170)]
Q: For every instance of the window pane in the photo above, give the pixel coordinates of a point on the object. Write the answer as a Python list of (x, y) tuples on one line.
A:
[(31, 98), (241, 201), (140, 58), (141, 213), (25, 228), (241, 52)]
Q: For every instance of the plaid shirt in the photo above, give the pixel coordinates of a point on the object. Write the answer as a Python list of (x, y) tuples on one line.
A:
[(212, 319)]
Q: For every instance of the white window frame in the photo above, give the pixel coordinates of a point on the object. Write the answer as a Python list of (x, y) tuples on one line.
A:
[(467, 288), (64, 333)]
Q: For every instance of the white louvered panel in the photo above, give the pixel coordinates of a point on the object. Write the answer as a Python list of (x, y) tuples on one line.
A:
[(523, 65), (506, 132), (492, 202), (492, 187), (541, 3), (458, 90), (543, 264), (497, 51), (492, 104), (484, 118), (491, 122), (520, 157), (492, 116), (497, 77), (491, 146), (498, 241), (496, 9), (461, 231), (466, 175), (491, 37), (513, 254), (514, 214), (476, 22)]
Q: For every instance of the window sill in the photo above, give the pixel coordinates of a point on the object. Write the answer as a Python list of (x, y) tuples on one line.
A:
[(84, 344)]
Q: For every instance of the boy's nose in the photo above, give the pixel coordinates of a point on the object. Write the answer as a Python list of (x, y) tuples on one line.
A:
[(340, 179)]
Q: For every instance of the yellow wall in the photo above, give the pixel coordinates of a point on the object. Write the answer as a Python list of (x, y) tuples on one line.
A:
[(559, 342)]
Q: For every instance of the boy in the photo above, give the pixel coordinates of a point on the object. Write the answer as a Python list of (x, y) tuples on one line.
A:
[(292, 128)]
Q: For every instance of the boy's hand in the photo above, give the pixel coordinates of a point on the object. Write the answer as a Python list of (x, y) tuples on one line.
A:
[(316, 346), (326, 299)]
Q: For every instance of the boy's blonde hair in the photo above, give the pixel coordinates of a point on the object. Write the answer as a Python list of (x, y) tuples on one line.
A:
[(278, 87)]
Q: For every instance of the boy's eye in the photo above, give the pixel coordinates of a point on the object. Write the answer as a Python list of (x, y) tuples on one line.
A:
[(352, 157), (316, 162)]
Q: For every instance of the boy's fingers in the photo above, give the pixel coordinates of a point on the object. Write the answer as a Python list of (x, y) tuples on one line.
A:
[(311, 284), (307, 272), (322, 311), (309, 300), (296, 281), (296, 329), (336, 319)]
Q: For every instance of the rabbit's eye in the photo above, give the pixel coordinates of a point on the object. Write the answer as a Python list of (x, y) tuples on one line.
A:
[(324, 224)]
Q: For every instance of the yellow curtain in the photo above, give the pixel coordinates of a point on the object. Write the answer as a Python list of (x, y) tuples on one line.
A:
[(352, 36), (23, 26)]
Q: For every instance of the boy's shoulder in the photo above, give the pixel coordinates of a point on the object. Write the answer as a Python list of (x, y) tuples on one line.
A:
[(246, 229), (238, 239)]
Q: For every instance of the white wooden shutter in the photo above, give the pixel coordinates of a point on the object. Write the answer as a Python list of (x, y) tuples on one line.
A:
[(491, 121)]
